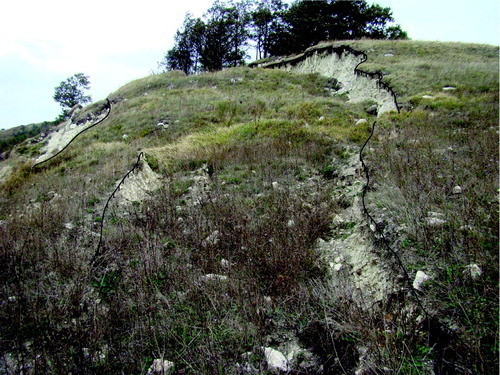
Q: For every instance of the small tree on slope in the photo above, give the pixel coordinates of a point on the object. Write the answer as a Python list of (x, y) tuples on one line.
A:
[(72, 92)]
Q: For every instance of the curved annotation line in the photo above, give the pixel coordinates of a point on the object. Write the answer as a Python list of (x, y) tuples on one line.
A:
[(380, 231), (108, 105), (378, 76), (382, 85), (375, 75), (98, 249)]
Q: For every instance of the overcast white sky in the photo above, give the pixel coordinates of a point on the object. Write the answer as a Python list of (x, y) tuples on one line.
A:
[(44, 42)]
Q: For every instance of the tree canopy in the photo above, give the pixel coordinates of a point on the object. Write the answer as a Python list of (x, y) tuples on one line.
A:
[(72, 92), (222, 37)]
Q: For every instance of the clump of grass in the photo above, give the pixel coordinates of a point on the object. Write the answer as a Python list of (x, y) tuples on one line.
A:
[(17, 178)]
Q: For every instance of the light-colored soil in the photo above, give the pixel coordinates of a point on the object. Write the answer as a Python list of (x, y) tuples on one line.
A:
[(138, 185), (60, 137), (342, 67), (350, 253)]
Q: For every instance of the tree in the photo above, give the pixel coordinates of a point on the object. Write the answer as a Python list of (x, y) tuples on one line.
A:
[(307, 23), (226, 35), (221, 39), (216, 42), (185, 55), (266, 20), (72, 92)]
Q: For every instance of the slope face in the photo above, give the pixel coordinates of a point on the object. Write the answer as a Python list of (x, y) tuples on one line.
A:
[(80, 121), (247, 238), (342, 64)]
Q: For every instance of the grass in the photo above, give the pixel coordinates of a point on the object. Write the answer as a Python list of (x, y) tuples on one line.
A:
[(421, 156), (250, 160)]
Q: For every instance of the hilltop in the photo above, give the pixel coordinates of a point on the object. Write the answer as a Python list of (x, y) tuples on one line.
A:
[(217, 221)]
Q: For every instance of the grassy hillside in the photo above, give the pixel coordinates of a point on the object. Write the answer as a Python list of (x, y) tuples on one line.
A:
[(223, 259), (9, 138)]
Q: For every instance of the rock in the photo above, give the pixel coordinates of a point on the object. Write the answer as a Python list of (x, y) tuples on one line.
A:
[(473, 270), (275, 185), (69, 226), (291, 223), (348, 172), (212, 240), (373, 110), (213, 277), (275, 360), (427, 97), (321, 118), (420, 278), (435, 219), (389, 55), (337, 267), (161, 366), (125, 136), (225, 263), (53, 195), (361, 121), (457, 190), (303, 360), (73, 110), (449, 88)]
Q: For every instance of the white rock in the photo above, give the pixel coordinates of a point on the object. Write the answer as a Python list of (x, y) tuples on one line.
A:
[(388, 54), (161, 366), (212, 240), (420, 278), (275, 185), (275, 359), (435, 219), (225, 263), (473, 270), (434, 222), (361, 121), (213, 277), (337, 267), (69, 226), (427, 97), (457, 190), (321, 118), (125, 136), (449, 88), (290, 223)]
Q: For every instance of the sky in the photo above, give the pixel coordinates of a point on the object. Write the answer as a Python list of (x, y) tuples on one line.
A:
[(114, 42)]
